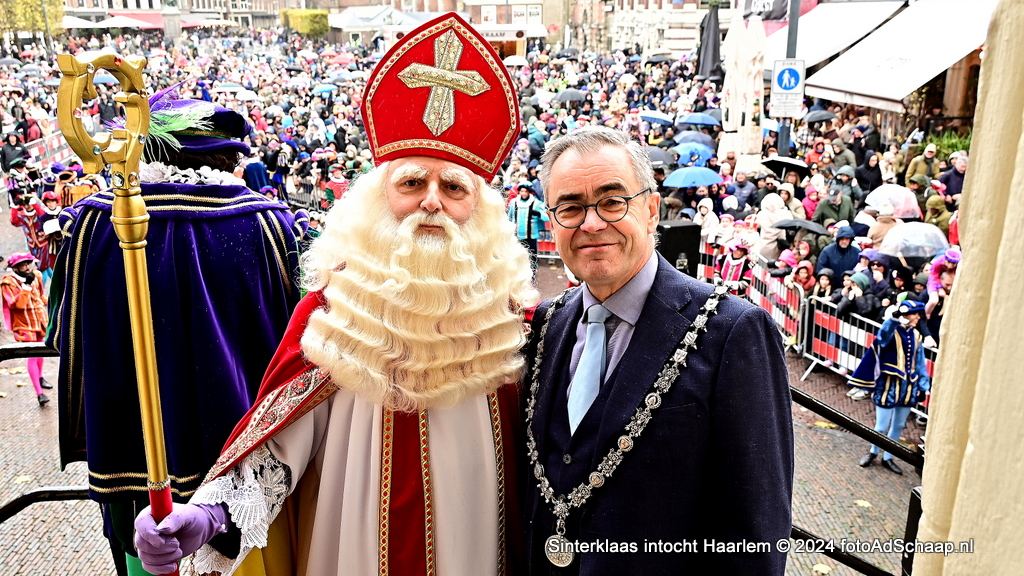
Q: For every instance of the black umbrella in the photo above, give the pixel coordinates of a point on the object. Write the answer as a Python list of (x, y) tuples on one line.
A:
[(799, 224), (660, 156), (710, 56), (819, 116), (293, 69), (570, 95), (568, 53), (782, 164), (659, 58)]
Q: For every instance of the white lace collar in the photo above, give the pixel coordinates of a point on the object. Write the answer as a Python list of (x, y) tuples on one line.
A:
[(157, 172)]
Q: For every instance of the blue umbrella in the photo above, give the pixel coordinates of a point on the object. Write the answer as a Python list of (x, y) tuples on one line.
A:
[(689, 152), (52, 82), (698, 119), (342, 76), (691, 177), (104, 77), (656, 117), (324, 88), (634, 58), (696, 138)]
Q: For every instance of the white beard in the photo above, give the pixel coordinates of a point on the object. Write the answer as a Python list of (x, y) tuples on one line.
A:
[(417, 320)]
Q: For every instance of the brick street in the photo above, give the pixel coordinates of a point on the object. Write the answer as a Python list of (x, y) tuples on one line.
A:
[(833, 497)]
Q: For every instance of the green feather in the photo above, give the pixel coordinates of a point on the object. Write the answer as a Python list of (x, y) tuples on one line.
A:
[(163, 124)]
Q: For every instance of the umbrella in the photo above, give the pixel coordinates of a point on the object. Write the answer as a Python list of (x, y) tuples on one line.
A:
[(634, 58), (751, 164), (695, 137), (656, 117), (307, 54), (691, 177), (341, 77), (104, 77), (12, 88), (570, 95), (273, 110), (800, 224), (782, 164), (344, 59), (568, 53), (689, 152), (52, 82), (627, 79), (818, 116), (360, 74), (229, 87), (293, 69), (698, 119), (246, 96), (9, 62), (515, 60), (324, 88), (709, 58), (659, 58), (715, 113), (660, 156), (902, 200), (607, 61), (126, 23), (914, 240)]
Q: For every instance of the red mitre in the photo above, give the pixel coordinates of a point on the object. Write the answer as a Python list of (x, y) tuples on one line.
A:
[(442, 91)]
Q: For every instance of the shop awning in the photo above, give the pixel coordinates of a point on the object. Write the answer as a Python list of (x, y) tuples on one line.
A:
[(904, 53), (69, 22), (828, 29), (133, 20)]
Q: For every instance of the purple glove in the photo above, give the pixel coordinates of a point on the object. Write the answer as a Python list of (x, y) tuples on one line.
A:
[(181, 533)]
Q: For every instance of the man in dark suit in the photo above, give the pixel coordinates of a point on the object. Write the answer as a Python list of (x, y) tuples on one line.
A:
[(653, 447)]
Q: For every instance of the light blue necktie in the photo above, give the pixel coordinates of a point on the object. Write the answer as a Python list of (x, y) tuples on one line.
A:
[(590, 371)]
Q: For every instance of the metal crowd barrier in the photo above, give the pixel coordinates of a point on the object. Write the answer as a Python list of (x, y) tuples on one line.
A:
[(784, 303), (839, 343)]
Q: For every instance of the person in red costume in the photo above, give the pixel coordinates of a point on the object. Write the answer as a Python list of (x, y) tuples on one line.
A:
[(384, 437)]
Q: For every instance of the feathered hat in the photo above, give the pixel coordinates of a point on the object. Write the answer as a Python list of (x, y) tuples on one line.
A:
[(196, 126)]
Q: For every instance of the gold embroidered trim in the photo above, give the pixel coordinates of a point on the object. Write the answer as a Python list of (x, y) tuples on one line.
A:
[(280, 407), (277, 253), (120, 475), (214, 133), (499, 464), (75, 277), (488, 165), (182, 208), (386, 445), (428, 493), (443, 79), (445, 146), (187, 197), (98, 490), (283, 245)]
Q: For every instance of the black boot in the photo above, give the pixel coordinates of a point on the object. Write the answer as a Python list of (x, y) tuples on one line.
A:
[(892, 467), (44, 384), (43, 399), (867, 459)]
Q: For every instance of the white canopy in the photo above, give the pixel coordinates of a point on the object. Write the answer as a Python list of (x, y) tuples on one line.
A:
[(74, 22), (904, 53), (828, 29), (123, 22)]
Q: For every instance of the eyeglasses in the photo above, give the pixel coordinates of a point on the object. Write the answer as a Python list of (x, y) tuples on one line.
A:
[(611, 209)]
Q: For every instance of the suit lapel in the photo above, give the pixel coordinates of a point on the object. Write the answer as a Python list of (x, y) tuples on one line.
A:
[(557, 346), (658, 332)]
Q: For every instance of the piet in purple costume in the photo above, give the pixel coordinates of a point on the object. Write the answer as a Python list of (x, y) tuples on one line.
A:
[(222, 265)]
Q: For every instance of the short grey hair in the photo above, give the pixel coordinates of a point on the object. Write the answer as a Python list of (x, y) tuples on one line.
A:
[(589, 140)]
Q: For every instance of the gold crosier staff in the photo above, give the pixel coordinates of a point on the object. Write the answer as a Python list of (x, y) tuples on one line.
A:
[(121, 149)]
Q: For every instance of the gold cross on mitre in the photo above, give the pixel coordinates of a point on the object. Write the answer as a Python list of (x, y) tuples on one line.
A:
[(443, 80)]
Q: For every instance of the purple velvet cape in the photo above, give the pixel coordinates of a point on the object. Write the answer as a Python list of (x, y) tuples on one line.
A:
[(223, 262)]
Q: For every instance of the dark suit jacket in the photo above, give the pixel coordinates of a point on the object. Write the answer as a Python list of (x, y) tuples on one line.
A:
[(714, 463)]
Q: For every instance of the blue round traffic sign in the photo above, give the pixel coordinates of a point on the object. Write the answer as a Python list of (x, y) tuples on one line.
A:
[(788, 79)]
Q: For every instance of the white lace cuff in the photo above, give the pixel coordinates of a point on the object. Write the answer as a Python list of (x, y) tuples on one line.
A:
[(160, 172), (254, 492)]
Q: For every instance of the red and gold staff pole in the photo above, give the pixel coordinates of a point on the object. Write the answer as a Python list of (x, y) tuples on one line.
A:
[(121, 150)]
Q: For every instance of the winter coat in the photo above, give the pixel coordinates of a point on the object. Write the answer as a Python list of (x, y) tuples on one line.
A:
[(882, 226), (921, 166), (844, 156), (936, 213), (868, 177), (954, 181), (839, 213)]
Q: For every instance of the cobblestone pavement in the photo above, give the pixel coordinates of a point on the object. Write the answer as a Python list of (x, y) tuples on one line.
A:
[(833, 497)]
